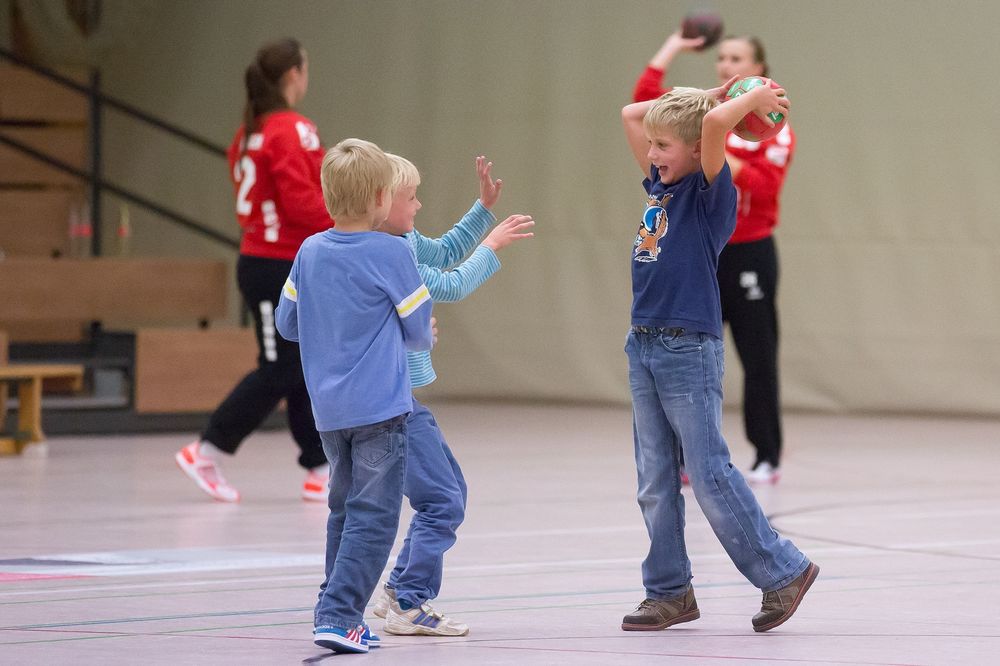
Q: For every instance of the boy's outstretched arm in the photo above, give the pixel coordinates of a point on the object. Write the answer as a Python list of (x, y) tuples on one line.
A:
[(446, 251), (458, 283), (761, 101), (635, 133)]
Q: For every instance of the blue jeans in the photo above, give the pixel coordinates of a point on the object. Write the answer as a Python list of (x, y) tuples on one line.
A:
[(437, 492), (676, 385), (367, 469)]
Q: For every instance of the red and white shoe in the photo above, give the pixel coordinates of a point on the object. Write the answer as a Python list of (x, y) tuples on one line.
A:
[(763, 474), (316, 487), (206, 473), (685, 479)]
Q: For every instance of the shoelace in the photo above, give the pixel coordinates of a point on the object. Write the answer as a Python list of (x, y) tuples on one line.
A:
[(771, 598)]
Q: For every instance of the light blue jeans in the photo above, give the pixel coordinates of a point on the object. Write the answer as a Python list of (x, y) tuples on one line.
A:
[(676, 384), (367, 470), (438, 494)]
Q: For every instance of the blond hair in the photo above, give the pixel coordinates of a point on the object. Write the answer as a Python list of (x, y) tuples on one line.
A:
[(353, 173), (404, 172), (681, 111)]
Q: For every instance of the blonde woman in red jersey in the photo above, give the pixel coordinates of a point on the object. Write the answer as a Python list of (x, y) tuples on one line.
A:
[(748, 266), (274, 162)]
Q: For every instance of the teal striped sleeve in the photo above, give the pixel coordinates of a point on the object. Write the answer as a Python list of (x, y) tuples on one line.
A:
[(445, 252), (459, 282), (421, 371)]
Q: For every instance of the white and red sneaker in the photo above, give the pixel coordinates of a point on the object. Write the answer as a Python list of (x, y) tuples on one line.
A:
[(764, 473), (206, 473), (685, 479), (316, 487)]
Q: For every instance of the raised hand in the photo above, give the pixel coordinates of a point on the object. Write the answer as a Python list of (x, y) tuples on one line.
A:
[(678, 42), (489, 190), (720, 93), (510, 230), (769, 100)]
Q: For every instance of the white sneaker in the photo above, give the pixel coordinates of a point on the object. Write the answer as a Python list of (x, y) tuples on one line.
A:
[(385, 600), (206, 473), (316, 487), (764, 473), (423, 621)]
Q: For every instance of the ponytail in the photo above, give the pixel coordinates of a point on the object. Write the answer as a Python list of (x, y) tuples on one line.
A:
[(263, 81)]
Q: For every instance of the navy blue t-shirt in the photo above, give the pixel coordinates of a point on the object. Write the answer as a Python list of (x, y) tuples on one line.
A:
[(675, 256)]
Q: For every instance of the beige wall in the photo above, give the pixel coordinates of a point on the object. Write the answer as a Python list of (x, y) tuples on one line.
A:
[(890, 248)]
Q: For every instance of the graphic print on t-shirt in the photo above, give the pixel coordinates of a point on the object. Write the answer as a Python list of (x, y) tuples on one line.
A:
[(652, 229)]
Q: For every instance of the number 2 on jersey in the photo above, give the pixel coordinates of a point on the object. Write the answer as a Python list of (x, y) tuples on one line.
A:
[(245, 174)]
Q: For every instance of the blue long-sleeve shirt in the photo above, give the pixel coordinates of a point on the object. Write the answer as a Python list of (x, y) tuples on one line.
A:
[(355, 303), (448, 286)]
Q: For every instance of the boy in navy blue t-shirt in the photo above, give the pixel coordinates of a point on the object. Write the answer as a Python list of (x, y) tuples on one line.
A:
[(676, 359)]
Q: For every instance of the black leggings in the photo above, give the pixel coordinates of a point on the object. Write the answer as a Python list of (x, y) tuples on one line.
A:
[(278, 374), (748, 285)]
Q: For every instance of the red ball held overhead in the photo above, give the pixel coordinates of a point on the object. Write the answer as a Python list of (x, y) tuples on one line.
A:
[(752, 128), (705, 24)]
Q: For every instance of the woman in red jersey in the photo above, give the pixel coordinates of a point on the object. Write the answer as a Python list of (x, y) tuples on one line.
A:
[(274, 162), (748, 266)]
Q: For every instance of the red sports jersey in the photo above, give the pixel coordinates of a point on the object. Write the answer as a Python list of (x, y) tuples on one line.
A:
[(759, 182), (279, 200)]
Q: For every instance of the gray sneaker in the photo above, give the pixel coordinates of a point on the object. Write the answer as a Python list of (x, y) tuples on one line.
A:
[(654, 614), (385, 600), (779, 605)]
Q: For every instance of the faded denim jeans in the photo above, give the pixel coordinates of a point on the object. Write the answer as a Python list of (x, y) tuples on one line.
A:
[(676, 385)]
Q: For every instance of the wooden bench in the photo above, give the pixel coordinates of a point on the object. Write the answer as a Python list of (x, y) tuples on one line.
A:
[(28, 378), (39, 294)]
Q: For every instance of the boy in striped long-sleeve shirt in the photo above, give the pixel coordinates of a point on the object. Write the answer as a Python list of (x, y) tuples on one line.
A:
[(356, 304), (434, 483)]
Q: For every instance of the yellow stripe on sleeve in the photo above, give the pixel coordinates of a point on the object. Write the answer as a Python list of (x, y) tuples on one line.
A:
[(409, 304), (290, 292)]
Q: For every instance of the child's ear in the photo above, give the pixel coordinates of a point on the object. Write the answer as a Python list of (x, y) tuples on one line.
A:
[(696, 149)]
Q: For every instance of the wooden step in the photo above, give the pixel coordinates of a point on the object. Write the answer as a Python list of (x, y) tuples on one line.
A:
[(26, 95), (35, 223), (190, 370), (66, 144), (120, 290)]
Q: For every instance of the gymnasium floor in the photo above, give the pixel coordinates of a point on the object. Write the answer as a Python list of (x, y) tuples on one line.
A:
[(108, 555)]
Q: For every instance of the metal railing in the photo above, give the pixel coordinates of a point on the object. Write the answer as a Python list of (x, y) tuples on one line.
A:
[(94, 176)]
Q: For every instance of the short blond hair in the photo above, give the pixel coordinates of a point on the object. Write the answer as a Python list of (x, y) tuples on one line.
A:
[(353, 173), (404, 172), (681, 111)]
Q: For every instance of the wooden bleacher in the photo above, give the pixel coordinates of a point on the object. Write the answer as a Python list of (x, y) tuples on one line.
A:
[(141, 290), (48, 296), (186, 371)]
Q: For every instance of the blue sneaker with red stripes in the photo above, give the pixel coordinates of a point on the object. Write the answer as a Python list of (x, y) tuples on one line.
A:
[(422, 621), (342, 640), (373, 640)]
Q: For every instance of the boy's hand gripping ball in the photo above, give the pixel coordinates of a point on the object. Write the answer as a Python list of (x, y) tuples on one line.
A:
[(750, 127), (702, 24)]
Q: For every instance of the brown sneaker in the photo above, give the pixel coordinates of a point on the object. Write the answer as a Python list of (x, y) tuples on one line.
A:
[(654, 614), (779, 605)]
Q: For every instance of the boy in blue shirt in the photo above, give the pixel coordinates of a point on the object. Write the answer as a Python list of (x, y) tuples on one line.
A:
[(675, 358), (434, 482), (355, 303)]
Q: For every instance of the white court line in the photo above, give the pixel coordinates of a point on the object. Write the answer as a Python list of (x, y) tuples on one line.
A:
[(174, 561), (875, 516)]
